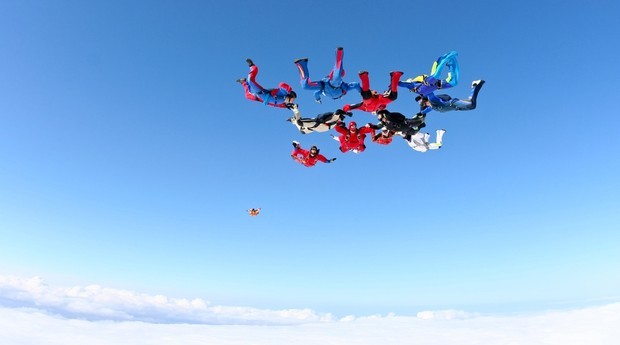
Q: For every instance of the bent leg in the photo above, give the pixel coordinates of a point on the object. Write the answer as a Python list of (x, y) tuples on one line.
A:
[(365, 81), (248, 93), (255, 87), (462, 104), (394, 80)]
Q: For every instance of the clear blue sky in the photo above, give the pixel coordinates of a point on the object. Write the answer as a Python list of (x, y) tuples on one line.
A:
[(128, 154)]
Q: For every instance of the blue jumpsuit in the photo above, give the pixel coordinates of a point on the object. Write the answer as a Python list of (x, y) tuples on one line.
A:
[(332, 85), (444, 103), (425, 84)]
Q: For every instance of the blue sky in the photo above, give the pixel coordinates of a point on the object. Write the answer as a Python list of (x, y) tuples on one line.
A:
[(128, 155)]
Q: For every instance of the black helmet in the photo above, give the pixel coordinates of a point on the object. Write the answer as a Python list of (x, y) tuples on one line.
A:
[(314, 148)]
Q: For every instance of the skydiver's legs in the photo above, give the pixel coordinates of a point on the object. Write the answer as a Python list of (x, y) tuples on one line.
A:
[(254, 87), (351, 86), (407, 84), (438, 142), (304, 74), (394, 80), (248, 94), (335, 76), (470, 103), (302, 65), (365, 81)]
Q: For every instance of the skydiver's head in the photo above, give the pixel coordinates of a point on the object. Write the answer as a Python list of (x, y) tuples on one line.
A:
[(381, 115), (314, 151), (290, 98), (352, 126)]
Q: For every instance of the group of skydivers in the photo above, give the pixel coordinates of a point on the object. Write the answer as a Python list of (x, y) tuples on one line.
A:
[(351, 137)]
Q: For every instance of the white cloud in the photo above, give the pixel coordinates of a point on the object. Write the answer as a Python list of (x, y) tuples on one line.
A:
[(94, 302), (42, 315), (445, 315)]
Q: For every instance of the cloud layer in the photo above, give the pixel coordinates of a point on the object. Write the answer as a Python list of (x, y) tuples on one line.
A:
[(31, 312), (95, 303)]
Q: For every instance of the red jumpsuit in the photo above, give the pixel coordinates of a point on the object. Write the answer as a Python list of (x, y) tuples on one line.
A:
[(303, 156), (371, 100), (382, 139), (353, 138)]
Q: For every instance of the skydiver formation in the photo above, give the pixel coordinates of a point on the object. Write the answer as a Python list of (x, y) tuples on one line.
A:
[(389, 123)]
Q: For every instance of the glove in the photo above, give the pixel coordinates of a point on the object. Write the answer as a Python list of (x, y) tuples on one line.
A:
[(318, 101), (331, 160), (290, 105)]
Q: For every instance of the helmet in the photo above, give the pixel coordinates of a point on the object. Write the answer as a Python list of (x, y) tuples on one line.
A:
[(352, 124), (292, 94), (314, 148)]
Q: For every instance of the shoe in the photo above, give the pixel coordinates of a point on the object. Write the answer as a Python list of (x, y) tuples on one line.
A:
[(362, 72), (250, 62), (339, 48), (299, 60), (476, 83), (396, 72), (241, 81), (295, 144)]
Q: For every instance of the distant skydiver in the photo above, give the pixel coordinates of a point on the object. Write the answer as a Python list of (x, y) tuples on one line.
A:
[(372, 101), (352, 138), (443, 103), (308, 158), (253, 211), (425, 84), (420, 141), (321, 123), (332, 85), (282, 97)]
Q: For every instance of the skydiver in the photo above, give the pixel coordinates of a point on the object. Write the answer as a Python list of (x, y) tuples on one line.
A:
[(320, 123), (253, 211), (420, 141), (398, 122), (372, 101), (308, 158), (384, 137), (332, 85), (351, 138), (443, 103), (425, 84), (281, 97), (394, 122)]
